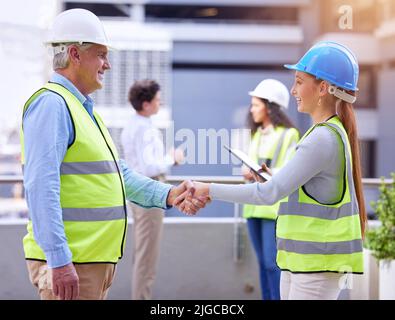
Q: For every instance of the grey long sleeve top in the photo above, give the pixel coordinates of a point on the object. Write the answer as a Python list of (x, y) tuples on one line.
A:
[(318, 165)]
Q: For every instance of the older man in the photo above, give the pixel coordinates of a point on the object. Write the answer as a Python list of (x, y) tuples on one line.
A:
[(75, 184)]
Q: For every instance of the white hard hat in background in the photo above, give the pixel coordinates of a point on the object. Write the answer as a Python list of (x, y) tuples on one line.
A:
[(77, 25), (273, 91)]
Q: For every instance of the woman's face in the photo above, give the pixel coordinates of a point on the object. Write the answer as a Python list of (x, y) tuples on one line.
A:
[(306, 92), (258, 110)]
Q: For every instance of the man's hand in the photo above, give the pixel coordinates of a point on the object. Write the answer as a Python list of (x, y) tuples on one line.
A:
[(177, 190), (189, 200), (183, 190), (65, 282), (179, 157)]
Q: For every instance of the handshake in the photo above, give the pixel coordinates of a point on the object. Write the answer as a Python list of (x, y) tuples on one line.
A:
[(189, 197)]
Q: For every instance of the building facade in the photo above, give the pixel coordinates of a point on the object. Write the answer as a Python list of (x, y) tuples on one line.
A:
[(220, 49)]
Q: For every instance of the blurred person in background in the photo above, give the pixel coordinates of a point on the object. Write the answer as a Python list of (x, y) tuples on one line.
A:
[(145, 153), (273, 139)]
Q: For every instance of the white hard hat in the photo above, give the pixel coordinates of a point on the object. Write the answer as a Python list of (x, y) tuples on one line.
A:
[(77, 25), (273, 91)]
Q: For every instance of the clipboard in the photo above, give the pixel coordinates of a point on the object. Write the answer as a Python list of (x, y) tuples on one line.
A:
[(248, 162)]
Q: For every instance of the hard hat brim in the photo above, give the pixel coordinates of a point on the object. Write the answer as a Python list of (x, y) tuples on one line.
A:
[(292, 67), (109, 46), (256, 94), (297, 67)]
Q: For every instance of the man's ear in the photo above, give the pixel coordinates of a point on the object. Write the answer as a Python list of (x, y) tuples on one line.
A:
[(74, 55), (145, 106)]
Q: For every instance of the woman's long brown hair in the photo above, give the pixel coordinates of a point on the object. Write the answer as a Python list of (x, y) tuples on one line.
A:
[(346, 114)]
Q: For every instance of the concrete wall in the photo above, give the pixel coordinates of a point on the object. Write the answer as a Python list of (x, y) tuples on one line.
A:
[(215, 99), (196, 262), (243, 53)]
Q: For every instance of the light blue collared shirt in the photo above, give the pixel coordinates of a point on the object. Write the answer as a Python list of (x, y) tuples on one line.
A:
[(48, 132)]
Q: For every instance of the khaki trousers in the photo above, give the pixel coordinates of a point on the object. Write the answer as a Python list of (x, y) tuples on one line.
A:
[(147, 232), (311, 286), (94, 279)]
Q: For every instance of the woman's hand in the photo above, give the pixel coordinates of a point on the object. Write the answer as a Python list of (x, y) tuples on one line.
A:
[(246, 172), (264, 168)]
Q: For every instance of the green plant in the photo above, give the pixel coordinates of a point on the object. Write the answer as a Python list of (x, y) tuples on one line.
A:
[(382, 239)]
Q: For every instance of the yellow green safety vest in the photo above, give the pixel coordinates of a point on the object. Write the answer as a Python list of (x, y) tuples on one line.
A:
[(92, 195), (274, 156), (316, 237)]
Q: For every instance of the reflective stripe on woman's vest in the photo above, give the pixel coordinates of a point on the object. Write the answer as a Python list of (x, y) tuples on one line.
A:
[(316, 237), (92, 193), (274, 156)]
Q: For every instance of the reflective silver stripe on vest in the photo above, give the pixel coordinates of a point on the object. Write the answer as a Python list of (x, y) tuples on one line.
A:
[(91, 167), (309, 247), (316, 211), (93, 214)]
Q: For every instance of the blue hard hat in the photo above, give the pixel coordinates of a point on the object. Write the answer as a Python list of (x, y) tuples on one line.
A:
[(332, 62)]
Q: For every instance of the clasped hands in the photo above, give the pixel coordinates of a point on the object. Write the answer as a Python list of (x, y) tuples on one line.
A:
[(189, 197)]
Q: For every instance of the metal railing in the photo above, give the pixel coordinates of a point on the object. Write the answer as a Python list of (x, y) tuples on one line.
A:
[(239, 239), (368, 182), (5, 179)]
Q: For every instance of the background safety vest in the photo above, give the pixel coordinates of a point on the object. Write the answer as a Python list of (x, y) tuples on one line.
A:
[(92, 193), (317, 237), (274, 156)]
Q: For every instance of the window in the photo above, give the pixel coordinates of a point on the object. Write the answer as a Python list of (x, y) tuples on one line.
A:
[(368, 158), (128, 66), (367, 84), (275, 15)]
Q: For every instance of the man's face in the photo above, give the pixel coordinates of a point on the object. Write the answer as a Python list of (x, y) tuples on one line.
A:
[(93, 63)]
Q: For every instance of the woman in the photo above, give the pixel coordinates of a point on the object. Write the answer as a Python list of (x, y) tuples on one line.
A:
[(321, 223), (274, 136)]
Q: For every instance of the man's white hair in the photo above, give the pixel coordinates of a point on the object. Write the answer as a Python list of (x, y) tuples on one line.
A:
[(61, 57)]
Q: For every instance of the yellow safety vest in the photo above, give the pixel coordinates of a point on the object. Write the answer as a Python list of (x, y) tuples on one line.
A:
[(92, 195), (316, 237), (274, 156)]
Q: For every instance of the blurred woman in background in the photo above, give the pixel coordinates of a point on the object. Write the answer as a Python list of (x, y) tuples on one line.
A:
[(273, 139)]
